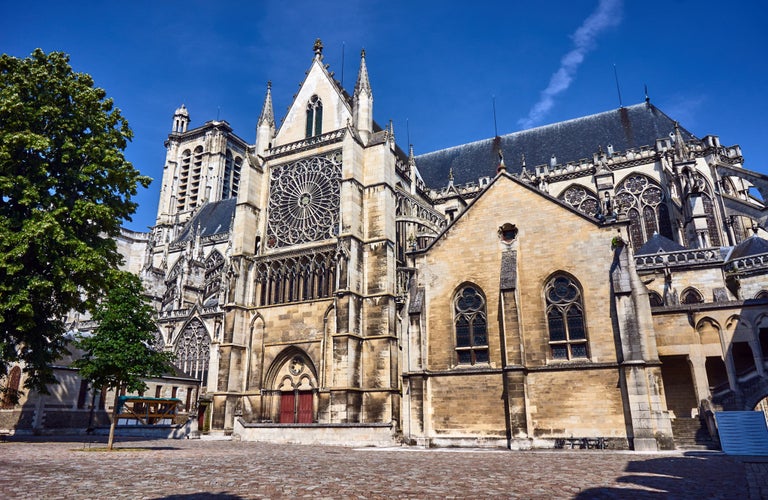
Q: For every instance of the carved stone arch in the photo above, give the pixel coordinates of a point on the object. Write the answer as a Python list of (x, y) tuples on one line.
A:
[(280, 367), (709, 331), (739, 327), (292, 384), (691, 295), (655, 298)]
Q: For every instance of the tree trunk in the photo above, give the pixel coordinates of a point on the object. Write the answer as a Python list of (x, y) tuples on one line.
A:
[(114, 420)]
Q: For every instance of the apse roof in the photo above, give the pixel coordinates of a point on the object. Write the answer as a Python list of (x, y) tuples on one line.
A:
[(213, 218), (659, 244), (754, 245), (569, 141)]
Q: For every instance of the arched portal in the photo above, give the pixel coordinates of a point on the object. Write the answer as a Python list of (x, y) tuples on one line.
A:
[(293, 382)]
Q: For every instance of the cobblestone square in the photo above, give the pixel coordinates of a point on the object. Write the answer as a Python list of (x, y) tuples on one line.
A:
[(186, 469)]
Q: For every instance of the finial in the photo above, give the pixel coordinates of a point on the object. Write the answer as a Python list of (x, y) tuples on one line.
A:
[(269, 84), (501, 167), (362, 53), (450, 175), (522, 159), (318, 48)]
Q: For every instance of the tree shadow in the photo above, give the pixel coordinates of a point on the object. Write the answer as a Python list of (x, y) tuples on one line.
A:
[(694, 474), (194, 496)]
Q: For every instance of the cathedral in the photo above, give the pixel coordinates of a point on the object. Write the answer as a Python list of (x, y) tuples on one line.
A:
[(603, 279)]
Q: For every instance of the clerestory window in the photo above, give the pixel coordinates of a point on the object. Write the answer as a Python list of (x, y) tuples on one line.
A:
[(471, 326), (314, 117), (565, 318)]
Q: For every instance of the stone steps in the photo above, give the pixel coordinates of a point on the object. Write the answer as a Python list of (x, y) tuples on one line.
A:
[(690, 433)]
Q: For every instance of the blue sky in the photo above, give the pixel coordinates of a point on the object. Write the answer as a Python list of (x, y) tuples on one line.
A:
[(436, 67)]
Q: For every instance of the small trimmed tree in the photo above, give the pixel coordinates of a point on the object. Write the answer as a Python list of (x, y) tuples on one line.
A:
[(120, 353)]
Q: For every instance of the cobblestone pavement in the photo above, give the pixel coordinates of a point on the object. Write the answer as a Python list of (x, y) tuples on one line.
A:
[(187, 469)]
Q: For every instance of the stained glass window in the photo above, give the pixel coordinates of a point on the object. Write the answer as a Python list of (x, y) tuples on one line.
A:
[(581, 199), (471, 326), (565, 318), (645, 205)]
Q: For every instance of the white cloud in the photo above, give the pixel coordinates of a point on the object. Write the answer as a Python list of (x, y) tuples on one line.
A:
[(607, 14)]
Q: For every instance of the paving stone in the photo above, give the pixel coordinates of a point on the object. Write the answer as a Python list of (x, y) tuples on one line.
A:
[(189, 469)]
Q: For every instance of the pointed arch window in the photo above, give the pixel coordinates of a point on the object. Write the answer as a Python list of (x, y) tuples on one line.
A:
[(231, 178), (582, 199), (181, 193), (655, 299), (565, 318), (645, 204), (470, 322), (192, 350), (691, 296), (314, 117)]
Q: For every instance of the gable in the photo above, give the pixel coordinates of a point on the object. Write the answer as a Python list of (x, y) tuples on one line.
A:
[(336, 110), (507, 200), (550, 236)]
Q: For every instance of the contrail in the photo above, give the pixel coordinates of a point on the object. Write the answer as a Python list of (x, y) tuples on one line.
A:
[(607, 14)]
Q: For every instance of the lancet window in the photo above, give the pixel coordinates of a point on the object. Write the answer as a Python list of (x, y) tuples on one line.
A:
[(581, 199), (565, 318), (195, 178), (295, 279), (181, 194), (314, 117), (231, 178), (471, 325), (645, 206), (192, 350)]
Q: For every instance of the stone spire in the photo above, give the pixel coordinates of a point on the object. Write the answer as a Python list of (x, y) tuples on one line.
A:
[(265, 127), (363, 83), (363, 102)]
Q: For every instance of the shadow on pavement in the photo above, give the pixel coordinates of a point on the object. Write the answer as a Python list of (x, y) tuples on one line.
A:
[(694, 474), (195, 496), (91, 441)]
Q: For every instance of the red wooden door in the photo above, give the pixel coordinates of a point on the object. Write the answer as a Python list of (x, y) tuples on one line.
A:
[(305, 407), (287, 407)]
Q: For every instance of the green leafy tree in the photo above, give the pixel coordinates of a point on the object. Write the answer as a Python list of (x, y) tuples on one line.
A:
[(120, 353), (65, 188)]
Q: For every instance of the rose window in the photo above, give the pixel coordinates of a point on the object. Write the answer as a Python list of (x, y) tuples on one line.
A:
[(304, 201)]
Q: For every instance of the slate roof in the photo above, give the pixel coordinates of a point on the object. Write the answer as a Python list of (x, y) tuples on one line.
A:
[(659, 244), (213, 218), (572, 140), (754, 245)]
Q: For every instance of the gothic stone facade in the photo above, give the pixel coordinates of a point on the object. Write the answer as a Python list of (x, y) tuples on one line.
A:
[(322, 276)]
